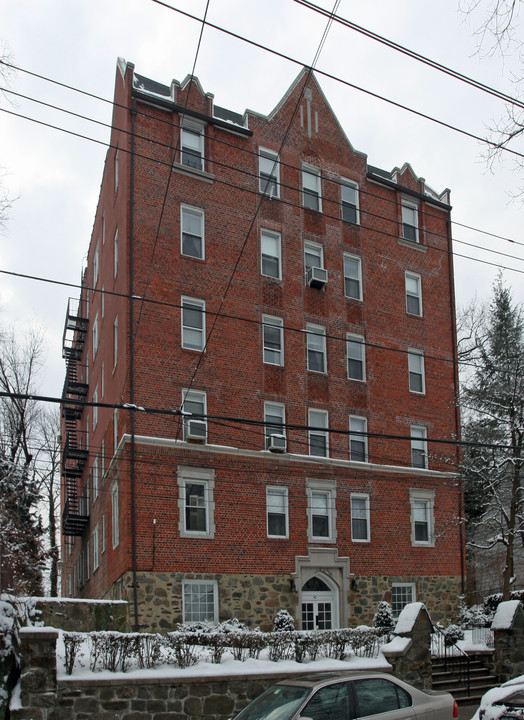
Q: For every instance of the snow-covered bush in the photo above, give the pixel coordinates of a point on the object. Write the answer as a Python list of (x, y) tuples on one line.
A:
[(452, 634), (283, 621), (474, 616), (492, 602), (384, 617)]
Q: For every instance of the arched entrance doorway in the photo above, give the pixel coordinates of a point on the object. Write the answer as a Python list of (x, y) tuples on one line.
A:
[(319, 603)]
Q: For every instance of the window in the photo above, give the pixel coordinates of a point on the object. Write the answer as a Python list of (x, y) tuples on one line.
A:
[(95, 266), (413, 294), (193, 324), (115, 430), (349, 198), (277, 512), (318, 435), (196, 502), (419, 447), (192, 145), (321, 510), (115, 514), (410, 222), (95, 543), (273, 340), (115, 254), (195, 402), (311, 195), (360, 518), (422, 502), (356, 357), (378, 696), (95, 475), (192, 229), (88, 560), (117, 161), (270, 244), (95, 407), (316, 348), (103, 301), (401, 595), (269, 172), (95, 336), (358, 442), (200, 601), (115, 342), (103, 538), (353, 277), (416, 371), (313, 255), (274, 420)]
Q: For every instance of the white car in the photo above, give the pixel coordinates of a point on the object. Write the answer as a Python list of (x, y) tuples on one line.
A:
[(505, 702), (347, 696)]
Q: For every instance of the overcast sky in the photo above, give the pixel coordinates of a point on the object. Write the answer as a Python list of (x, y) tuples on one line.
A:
[(56, 176)]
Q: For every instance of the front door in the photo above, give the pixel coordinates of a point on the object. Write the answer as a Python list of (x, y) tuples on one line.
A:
[(318, 605)]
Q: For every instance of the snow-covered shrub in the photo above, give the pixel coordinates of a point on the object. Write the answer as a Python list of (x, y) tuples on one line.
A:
[(452, 634), (384, 617), (183, 654), (149, 650), (283, 621), (474, 616), (73, 642), (279, 644), (491, 602)]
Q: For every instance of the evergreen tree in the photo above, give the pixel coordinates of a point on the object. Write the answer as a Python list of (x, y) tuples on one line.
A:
[(493, 410), (384, 617)]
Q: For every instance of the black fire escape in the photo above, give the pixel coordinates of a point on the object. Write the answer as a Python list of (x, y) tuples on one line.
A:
[(75, 516)]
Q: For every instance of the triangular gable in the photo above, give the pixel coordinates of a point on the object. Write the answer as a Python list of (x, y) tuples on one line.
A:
[(297, 84)]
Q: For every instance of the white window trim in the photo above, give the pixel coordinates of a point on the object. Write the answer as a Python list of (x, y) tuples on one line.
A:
[(276, 236), (284, 492), (274, 321), (427, 496), (312, 171), (96, 476), (316, 331), (203, 476), (412, 353), (315, 249), (282, 431), (330, 488), (201, 214), (201, 582), (95, 407), (117, 168), (196, 129), (405, 585), (202, 305), (365, 497), (318, 430), (358, 259), (414, 276), (186, 395), (115, 253), (360, 340), (96, 265), (115, 514), (95, 336), (96, 548), (357, 437), (422, 439), (273, 157), (344, 182), (115, 342), (409, 205)]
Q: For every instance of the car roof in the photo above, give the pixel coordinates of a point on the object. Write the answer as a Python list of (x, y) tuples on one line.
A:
[(324, 678)]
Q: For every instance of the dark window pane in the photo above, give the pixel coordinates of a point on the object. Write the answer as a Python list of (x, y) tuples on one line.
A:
[(276, 524)]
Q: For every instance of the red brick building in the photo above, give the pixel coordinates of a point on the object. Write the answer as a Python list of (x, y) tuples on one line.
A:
[(259, 368)]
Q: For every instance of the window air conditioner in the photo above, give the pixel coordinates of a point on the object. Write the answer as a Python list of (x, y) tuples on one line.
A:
[(276, 443), (316, 277), (196, 431)]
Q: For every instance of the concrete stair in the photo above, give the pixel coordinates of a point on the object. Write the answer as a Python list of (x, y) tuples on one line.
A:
[(451, 676)]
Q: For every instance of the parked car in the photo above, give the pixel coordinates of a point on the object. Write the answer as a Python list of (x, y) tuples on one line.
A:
[(505, 702), (347, 696)]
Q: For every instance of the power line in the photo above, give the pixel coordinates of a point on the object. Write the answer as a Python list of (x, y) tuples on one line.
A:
[(245, 421)]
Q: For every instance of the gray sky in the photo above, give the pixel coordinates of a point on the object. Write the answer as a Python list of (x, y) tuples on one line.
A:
[(56, 176)]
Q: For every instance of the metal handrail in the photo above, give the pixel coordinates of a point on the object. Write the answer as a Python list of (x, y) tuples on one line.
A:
[(454, 657)]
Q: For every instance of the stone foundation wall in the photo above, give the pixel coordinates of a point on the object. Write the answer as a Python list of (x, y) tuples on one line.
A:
[(255, 599)]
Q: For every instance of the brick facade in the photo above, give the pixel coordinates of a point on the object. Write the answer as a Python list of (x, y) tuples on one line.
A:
[(190, 512)]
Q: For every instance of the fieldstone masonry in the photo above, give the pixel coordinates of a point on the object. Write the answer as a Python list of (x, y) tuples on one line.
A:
[(508, 632), (256, 599)]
